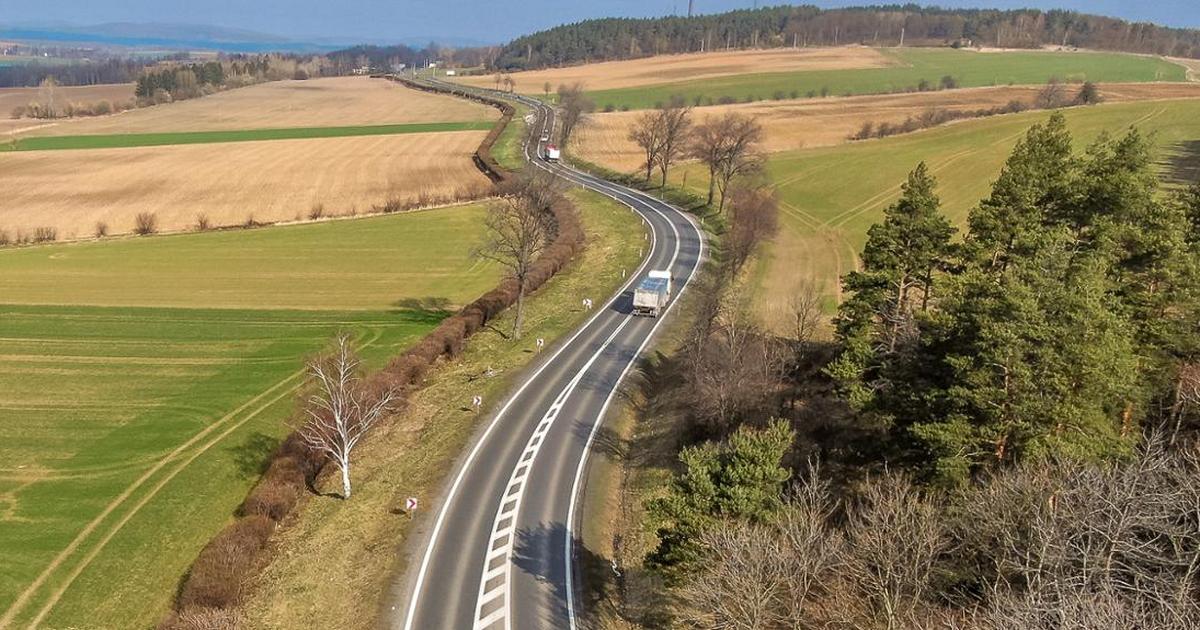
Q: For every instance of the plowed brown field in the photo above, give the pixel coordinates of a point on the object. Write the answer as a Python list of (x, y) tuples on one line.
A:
[(689, 67)]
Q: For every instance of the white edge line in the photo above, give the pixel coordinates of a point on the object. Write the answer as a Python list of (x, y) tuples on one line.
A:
[(466, 465), (569, 547)]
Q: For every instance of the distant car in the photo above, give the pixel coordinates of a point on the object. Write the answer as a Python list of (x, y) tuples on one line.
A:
[(545, 137)]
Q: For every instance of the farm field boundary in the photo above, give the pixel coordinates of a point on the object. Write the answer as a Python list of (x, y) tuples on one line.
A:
[(969, 69), (118, 141)]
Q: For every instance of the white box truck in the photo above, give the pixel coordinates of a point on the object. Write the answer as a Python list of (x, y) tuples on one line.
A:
[(652, 294), (552, 153)]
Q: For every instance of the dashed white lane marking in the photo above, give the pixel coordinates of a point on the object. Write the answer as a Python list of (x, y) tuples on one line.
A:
[(495, 583)]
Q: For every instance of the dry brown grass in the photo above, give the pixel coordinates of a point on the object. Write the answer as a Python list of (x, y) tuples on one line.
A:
[(810, 123), (271, 180), (333, 102), (687, 67)]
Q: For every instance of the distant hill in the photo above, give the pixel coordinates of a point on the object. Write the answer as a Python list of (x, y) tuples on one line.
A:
[(885, 25), (196, 37), (168, 36)]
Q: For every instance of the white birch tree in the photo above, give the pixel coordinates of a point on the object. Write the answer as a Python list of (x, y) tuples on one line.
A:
[(343, 409)]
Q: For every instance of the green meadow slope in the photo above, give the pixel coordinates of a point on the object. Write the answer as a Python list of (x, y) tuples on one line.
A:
[(970, 69), (831, 196), (142, 382)]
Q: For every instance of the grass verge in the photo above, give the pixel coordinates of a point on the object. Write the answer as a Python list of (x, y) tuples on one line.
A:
[(508, 150), (338, 555)]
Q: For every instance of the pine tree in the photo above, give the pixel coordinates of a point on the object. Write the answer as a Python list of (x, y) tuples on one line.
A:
[(740, 479), (899, 263), (1035, 183)]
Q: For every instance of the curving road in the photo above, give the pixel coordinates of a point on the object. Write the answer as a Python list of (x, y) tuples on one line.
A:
[(500, 551)]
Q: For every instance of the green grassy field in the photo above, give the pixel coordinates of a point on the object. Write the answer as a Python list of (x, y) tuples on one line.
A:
[(970, 69), (143, 381), (831, 196), (125, 140), (511, 143)]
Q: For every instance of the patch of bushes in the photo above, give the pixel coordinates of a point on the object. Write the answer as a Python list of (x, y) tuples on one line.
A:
[(45, 235), (101, 229), (933, 117), (145, 223), (217, 578)]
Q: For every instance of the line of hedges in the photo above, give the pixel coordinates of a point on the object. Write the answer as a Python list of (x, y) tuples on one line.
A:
[(216, 583), (483, 155)]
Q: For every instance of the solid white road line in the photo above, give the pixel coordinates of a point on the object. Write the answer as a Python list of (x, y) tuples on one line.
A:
[(439, 522), (510, 503)]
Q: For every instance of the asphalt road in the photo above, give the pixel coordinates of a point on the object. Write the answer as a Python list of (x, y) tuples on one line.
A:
[(500, 550)]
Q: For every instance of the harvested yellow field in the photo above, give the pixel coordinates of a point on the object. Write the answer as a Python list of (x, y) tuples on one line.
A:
[(332, 102), (689, 67), (798, 124), (276, 180)]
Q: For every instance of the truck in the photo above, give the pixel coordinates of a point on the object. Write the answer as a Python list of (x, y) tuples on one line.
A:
[(652, 294), (552, 153)]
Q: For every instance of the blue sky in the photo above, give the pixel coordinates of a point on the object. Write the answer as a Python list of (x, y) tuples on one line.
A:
[(484, 20)]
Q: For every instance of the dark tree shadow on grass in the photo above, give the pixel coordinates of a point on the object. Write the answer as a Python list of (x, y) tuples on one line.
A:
[(252, 456), (1183, 163)]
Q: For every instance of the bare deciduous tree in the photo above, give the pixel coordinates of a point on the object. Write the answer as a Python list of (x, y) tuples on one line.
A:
[(755, 219), (343, 409), (518, 231), (893, 539), (1052, 95), (729, 146), (735, 369), (647, 134), (573, 109), (675, 124), (768, 577)]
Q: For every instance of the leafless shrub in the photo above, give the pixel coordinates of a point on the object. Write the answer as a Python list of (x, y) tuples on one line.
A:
[(390, 205), (202, 223), (1052, 96), (767, 577), (45, 235), (893, 539), (145, 223), (4, 238), (250, 223), (101, 229), (204, 619), (217, 578), (316, 212)]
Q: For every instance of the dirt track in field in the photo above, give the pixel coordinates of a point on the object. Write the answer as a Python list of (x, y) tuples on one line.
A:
[(269, 181), (689, 67), (807, 123)]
